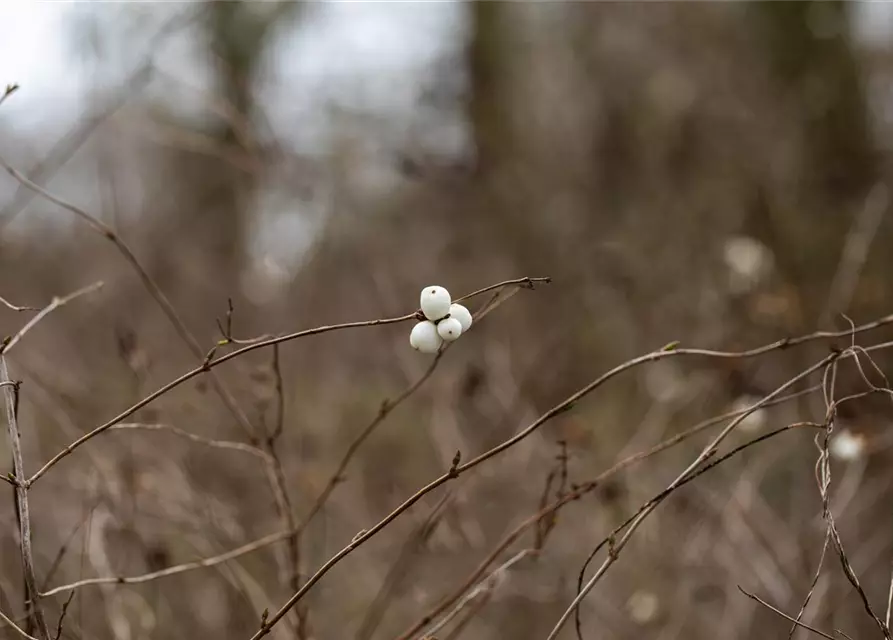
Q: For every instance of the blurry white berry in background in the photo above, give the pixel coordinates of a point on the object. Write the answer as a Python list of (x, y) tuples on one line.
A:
[(435, 302), (847, 445), (461, 314), (749, 261), (424, 337), (449, 329), (752, 421)]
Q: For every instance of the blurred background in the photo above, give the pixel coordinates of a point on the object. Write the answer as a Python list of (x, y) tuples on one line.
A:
[(712, 173)]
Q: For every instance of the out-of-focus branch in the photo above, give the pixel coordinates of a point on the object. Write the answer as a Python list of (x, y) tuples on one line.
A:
[(65, 148)]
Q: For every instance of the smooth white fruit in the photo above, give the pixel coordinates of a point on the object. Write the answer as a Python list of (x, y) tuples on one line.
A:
[(435, 302), (462, 314), (424, 337), (449, 329)]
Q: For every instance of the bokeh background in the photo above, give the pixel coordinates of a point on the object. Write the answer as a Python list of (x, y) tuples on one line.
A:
[(712, 173)]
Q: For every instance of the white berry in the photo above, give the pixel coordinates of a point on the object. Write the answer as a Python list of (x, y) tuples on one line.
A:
[(424, 337), (435, 302), (462, 314), (449, 329)]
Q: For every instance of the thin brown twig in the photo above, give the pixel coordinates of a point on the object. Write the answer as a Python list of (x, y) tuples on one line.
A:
[(486, 586), (55, 304), (62, 615), (267, 540), (22, 506), (476, 607), (575, 493), (10, 305), (210, 442), (796, 622), (212, 363), (562, 407), (148, 283), (291, 563), (400, 567), (260, 543), (6, 619), (681, 479), (812, 585), (386, 408), (824, 478)]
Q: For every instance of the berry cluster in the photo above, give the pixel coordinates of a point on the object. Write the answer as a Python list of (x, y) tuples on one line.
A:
[(445, 321)]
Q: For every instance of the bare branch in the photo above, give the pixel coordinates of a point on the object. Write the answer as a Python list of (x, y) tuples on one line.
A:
[(55, 304), (796, 622), (148, 283), (23, 509), (211, 363), (273, 538), (10, 305), (486, 586), (16, 627), (681, 479)]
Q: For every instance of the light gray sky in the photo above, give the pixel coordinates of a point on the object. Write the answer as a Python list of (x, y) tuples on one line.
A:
[(372, 46)]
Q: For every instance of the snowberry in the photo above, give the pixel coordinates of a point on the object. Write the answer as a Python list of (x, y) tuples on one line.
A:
[(462, 314), (435, 302), (449, 329), (424, 337)]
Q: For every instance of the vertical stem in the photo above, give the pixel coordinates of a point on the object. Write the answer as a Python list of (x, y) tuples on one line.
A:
[(21, 493)]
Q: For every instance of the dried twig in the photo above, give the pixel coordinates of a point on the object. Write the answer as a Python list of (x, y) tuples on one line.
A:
[(562, 407), (10, 305), (684, 477), (22, 506), (575, 493), (267, 540), (150, 285), (796, 622), (7, 620), (62, 615), (486, 586), (398, 570), (211, 363), (823, 477), (55, 304)]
